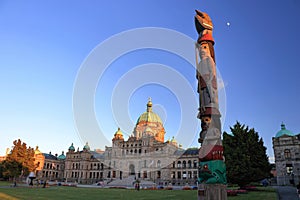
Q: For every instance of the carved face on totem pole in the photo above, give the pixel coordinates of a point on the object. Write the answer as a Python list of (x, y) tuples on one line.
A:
[(204, 50), (203, 23)]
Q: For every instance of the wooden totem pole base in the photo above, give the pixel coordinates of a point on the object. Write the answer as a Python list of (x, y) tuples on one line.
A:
[(212, 192)]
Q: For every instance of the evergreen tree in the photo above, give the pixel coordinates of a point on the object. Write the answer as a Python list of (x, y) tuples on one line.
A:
[(23, 155), (245, 156)]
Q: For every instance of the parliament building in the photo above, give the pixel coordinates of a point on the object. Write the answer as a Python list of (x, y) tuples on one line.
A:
[(286, 146), (145, 157)]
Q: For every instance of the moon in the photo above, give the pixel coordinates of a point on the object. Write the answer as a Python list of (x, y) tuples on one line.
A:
[(228, 23)]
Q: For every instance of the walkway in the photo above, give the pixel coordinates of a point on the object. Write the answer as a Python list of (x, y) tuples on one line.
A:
[(287, 193)]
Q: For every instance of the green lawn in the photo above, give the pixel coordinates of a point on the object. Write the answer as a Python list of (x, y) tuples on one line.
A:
[(57, 193)]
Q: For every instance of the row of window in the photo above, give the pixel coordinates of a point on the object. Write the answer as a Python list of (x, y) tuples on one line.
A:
[(95, 166), (49, 174), (184, 175), (52, 166), (185, 164), (112, 174)]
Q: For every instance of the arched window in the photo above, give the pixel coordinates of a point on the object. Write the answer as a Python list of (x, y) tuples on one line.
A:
[(184, 164), (179, 164), (189, 164)]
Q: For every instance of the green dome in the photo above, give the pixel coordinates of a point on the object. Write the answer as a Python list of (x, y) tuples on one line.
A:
[(62, 156), (149, 115), (284, 131), (86, 146), (72, 148)]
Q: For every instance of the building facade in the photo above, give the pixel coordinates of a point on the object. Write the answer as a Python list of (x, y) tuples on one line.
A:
[(286, 146), (144, 156)]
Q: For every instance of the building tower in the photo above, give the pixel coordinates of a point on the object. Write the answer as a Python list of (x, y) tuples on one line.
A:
[(149, 124)]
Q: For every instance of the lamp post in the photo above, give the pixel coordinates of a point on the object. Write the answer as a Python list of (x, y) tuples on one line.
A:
[(31, 177)]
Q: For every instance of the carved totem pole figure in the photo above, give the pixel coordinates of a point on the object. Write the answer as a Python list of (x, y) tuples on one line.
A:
[(212, 169)]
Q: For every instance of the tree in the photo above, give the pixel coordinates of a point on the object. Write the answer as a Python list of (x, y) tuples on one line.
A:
[(11, 169), (245, 156), (23, 155)]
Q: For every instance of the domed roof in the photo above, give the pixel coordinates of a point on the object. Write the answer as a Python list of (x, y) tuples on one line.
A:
[(72, 148), (173, 140), (37, 151), (118, 132), (86, 146), (118, 135), (149, 115), (62, 156), (284, 131)]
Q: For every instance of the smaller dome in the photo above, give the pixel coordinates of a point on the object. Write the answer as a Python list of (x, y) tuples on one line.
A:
[(284, 131), (173, 141), (118, 132), (62, 156), (37, 151), (72, 148), (118, 135), (86, 146)]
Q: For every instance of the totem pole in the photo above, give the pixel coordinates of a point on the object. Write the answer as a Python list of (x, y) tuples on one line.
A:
[(212, 170)]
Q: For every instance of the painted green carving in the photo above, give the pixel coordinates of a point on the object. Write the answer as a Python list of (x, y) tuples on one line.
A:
[(211, 172)]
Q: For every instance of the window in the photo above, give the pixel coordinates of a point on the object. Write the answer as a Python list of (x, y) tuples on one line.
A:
[(179, 175), (287, 154), (145, 174), (289, 168), (179, 164), (184, 164), (189, 164), (189, 174), (158, 164), (173, 175), (184, 175), (195, 163), (158, 174)]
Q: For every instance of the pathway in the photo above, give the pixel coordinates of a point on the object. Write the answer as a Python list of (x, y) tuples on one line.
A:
[(287, 193)]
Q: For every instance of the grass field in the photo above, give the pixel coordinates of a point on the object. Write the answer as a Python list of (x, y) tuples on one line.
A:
[(57, 193)]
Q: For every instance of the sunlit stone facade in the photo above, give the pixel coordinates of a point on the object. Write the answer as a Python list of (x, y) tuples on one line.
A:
[(143, 156)]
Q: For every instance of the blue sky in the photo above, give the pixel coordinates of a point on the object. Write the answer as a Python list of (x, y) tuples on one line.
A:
[(43, 46)]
